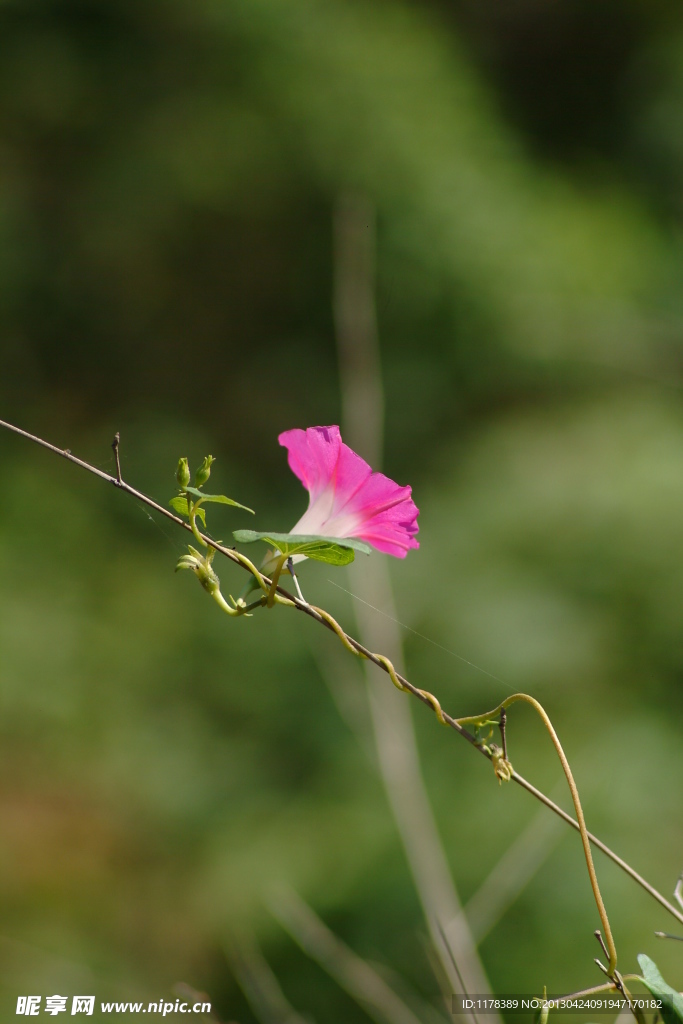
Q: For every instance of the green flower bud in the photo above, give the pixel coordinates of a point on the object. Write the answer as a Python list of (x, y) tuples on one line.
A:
[(183, 474), (204, 471)]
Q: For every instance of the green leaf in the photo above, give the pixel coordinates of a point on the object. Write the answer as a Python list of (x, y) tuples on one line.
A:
[(321, 549), (672, 1001), (179, 505), (219, 498)]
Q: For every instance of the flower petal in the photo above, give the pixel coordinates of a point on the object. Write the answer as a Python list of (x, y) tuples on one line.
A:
[(312, 456), (346, 498), (393, 531), (385, 514)]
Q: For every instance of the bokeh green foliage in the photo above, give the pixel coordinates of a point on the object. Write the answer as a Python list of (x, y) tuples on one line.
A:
[(167, 181)]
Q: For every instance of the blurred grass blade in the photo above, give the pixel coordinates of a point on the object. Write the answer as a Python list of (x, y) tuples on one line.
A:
[(351, 972), (259, 983)]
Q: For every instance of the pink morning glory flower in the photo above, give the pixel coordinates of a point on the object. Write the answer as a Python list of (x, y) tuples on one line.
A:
[(346, 499)]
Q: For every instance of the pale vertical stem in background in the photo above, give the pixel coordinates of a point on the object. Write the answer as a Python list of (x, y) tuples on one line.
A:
[(355, 323), (515, 869), (512, 873), (362, 429)]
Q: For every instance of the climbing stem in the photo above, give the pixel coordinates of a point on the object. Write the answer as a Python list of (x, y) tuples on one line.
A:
[(492, 715), (222, 603), (263, 583), (279, 565), (192, 513)]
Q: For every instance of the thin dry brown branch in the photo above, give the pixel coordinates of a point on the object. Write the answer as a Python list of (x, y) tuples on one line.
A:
[(376, 659)]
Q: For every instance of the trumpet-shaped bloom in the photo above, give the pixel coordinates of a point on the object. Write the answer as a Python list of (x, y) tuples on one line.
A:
[(346, 499)]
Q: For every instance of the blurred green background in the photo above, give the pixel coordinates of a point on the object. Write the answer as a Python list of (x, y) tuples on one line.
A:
[(168, 172)]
